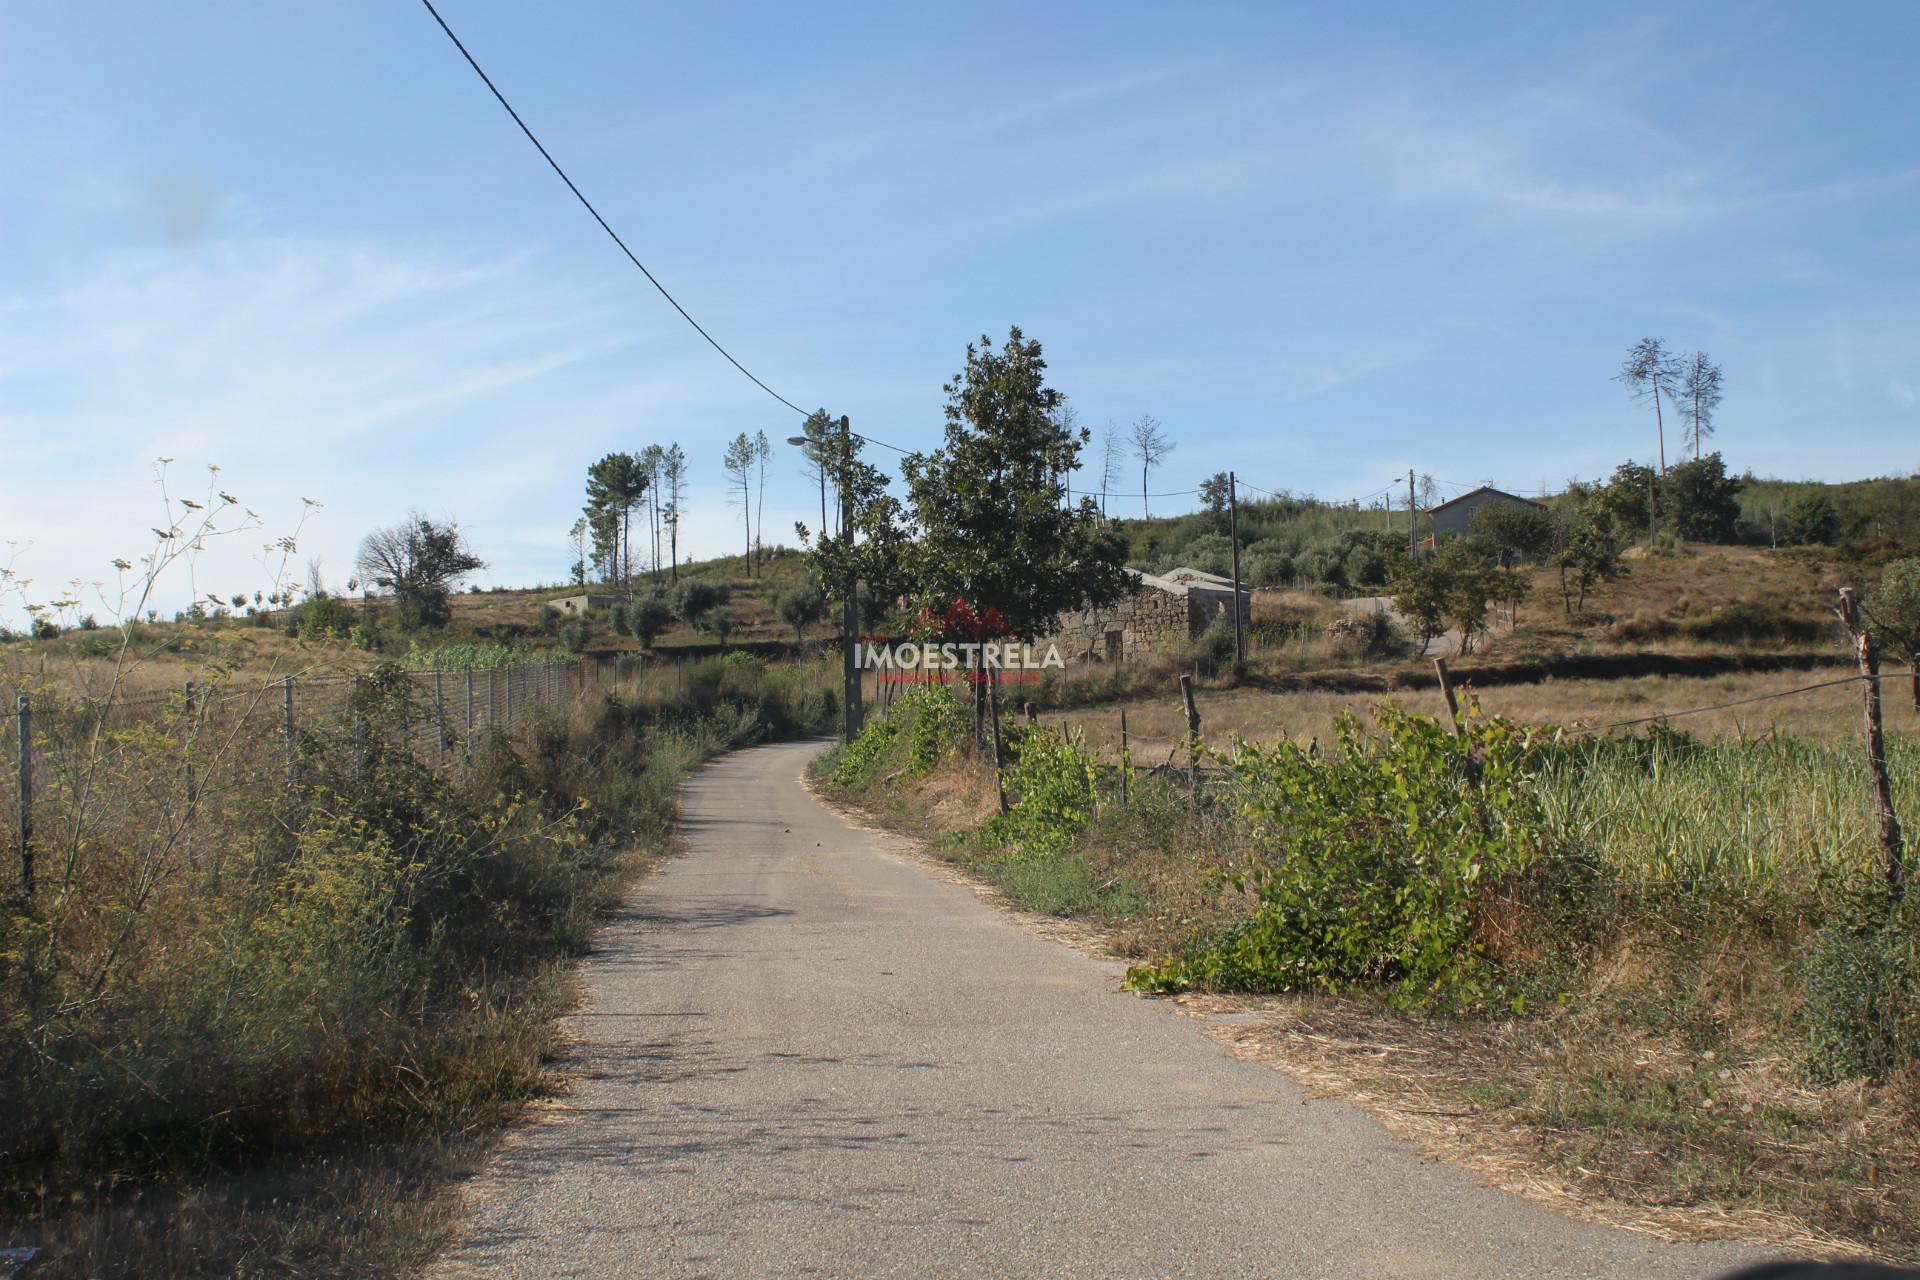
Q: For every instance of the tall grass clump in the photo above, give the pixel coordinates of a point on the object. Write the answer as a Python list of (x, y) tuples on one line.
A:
[(1768, 820)]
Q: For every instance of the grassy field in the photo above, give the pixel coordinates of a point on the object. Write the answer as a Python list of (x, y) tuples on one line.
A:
[(1830, 714)]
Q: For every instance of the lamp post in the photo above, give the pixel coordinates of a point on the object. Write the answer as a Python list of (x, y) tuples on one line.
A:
[(850, 604)]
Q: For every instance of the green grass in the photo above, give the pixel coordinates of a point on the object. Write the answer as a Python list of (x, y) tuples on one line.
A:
[(1766, 819)]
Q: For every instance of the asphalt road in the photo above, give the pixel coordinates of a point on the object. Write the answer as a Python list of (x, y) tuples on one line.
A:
[(801, 1055)]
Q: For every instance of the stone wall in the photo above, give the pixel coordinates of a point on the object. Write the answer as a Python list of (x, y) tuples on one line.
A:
[(1149, 621)]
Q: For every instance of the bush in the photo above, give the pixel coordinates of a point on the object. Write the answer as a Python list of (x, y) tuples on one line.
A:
[(1050, 784), (859, 762), (322, 617), (1369, 865), (645, 618), (1365, 567), (1322, 563), (575, 633), (692, 598), (936, 723), (1811, 520), (1212, 650), (1268, 569), (1861, 1014)]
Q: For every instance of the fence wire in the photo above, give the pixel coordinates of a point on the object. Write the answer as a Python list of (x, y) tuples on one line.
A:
[(154, 757)]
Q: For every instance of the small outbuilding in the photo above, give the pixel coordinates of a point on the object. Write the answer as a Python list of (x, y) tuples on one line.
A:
[(581, 604), (1162, 612), (1453, 515)]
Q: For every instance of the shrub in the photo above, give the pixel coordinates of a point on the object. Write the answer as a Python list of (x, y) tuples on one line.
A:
[(1365, 567), (322, 617), (575, 633), (1212, 649), (1811, 519), (1050, 783), (860, 761), (1369, 865), (692, 598), (1268, 569), (645, 618), (1861, 1014), (937, 725), (800, 607)]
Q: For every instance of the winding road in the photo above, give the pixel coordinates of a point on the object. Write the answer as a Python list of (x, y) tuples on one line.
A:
[(801, 1054)]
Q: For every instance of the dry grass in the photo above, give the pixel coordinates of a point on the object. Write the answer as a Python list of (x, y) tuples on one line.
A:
[(1694, 601), (1157, 723), (1606, 1124)]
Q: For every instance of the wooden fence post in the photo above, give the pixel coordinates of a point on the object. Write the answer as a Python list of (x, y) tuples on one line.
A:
[(993, 710), (439, 722), (286, 728), (1892, 855), (24, 721), (187, 766), (1193, 734), (1446, 688)]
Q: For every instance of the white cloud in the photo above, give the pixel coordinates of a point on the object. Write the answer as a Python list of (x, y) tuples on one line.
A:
[(370, 378)]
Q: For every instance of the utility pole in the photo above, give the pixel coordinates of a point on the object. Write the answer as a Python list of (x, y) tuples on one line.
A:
[(1413, 535), (850, 591), (1233, 532)]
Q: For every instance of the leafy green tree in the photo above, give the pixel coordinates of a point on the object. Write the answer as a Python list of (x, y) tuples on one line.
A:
[(1469, 580), (1588, 549), (1893, 611), (419, 561), (739, 462), (646, 617), (882, 552), (722, 623), (673, 472), (1629, 496), (1215, 494), (1701, 501), (996, 528), (1509, 534), (1419, 590), (1365, 567), (614, 487), (693, 598), (1811, 518), (800, 606)]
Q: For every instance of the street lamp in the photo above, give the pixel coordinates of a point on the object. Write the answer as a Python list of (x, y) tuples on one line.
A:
[(850, 605)]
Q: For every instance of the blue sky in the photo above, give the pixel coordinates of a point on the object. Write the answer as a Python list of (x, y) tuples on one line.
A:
[(298, 240)]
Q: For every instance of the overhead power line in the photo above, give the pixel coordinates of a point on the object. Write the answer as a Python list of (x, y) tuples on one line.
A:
[(588, 205)]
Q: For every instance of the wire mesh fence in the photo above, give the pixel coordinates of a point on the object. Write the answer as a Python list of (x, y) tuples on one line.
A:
[(156, 757)]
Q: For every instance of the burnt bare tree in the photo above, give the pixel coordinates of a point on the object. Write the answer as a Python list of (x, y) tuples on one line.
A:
[(420, 562), (1698, 397), (1151, 446), (1650, 371), (1112, 459)]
